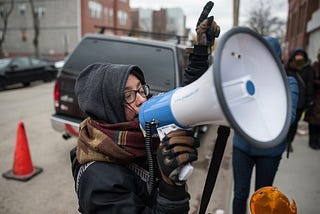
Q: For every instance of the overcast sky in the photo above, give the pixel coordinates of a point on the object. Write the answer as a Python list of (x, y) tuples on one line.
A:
[(222, 9)]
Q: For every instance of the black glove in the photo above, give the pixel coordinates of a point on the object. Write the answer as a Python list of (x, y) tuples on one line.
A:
[(176, 149), (207, 29)]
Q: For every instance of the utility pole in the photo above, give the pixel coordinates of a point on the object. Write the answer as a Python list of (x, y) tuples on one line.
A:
[(115, 15), (236, 4)]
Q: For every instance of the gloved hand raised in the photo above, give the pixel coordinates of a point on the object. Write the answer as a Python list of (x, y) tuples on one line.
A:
[(207, 29), (176, 149)]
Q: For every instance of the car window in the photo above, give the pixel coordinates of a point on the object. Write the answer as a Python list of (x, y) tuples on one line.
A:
[(21, 62), (183, 58), (4, 62), (158, 63), (37, 62)]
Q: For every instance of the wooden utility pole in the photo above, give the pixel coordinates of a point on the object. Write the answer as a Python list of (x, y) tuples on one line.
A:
[(236, 4)]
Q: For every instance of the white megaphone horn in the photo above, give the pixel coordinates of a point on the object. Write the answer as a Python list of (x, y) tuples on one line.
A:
[(245, 88)]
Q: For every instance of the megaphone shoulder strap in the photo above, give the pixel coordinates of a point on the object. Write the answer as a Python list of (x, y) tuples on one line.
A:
[(299, 78), (220, 145)]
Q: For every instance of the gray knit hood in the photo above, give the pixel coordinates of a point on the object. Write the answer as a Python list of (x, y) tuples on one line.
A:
[(99, 89)]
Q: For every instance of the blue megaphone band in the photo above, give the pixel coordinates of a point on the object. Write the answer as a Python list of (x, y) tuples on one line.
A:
[(158, 109)]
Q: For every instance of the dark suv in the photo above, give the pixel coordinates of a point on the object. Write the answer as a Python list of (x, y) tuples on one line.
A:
[(163, 64)]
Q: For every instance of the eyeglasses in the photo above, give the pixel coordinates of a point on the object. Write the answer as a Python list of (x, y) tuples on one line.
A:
[(130, 96)]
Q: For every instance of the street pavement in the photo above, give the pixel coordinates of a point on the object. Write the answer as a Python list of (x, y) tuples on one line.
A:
[(298, 177), (220, 198)]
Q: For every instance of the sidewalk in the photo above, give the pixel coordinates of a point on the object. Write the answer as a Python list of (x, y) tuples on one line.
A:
[(299, 176), (220, 198)]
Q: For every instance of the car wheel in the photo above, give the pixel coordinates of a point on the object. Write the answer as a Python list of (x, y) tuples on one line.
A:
[(25, 84), (2, 84)]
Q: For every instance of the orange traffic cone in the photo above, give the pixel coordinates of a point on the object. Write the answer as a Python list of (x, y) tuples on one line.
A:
[(23, 169)]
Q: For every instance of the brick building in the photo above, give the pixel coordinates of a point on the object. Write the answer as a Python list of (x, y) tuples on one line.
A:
[(112, 13), (165, 24), (64, 22), (301, 14)]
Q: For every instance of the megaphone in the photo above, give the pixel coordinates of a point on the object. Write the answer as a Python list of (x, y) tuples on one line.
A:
[(245, 88)]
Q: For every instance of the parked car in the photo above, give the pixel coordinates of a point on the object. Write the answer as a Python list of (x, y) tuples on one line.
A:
[(25, 70), (163, 64), (59, 64)]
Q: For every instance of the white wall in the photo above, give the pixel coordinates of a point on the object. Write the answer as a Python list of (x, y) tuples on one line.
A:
[(58, 27), (313, 29)]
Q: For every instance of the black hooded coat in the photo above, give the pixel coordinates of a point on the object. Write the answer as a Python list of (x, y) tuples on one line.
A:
[(304, 78), (104, 187)]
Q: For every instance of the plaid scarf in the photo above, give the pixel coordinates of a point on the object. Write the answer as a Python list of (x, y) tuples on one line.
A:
[(120, 143)]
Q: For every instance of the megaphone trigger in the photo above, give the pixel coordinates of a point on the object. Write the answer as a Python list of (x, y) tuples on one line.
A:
[(163, 130), (185, 172)]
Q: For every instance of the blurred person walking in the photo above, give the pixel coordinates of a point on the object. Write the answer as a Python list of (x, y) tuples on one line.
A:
[(299, 66), (312, 115)]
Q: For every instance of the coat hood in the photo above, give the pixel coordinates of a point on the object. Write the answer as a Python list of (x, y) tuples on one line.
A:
[(275, 45), (99, 89), (291, 64), (295, 51)]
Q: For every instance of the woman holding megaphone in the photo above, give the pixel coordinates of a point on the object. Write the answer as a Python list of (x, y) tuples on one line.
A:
[(109, 164)]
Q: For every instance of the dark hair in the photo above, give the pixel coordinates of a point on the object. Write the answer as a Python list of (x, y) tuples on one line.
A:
[(139, 75)]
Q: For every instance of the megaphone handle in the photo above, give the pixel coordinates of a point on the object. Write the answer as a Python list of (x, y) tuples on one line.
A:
[(186, 170)]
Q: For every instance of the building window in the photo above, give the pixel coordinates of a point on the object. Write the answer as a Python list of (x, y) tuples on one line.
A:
[(106, 14), (122, 17), (95, 9), (111, 15), (24, 36), (22, 9), (40, 11)]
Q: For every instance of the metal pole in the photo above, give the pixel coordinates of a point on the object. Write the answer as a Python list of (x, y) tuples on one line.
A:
[(236, 4)]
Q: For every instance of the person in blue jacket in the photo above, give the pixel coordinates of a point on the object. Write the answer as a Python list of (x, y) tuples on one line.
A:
[(266, 161)]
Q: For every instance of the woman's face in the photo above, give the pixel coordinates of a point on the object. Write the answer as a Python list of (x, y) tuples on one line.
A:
[(299, 57), (132, 86)]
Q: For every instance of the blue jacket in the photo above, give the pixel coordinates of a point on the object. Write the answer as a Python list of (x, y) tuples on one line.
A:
[(241, 144)]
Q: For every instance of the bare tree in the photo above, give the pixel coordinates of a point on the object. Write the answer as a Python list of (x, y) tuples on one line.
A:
[(6, 7), (262, 21), (36, 27)]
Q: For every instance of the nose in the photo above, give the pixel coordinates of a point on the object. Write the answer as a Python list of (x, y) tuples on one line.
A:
[(140, 99)]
